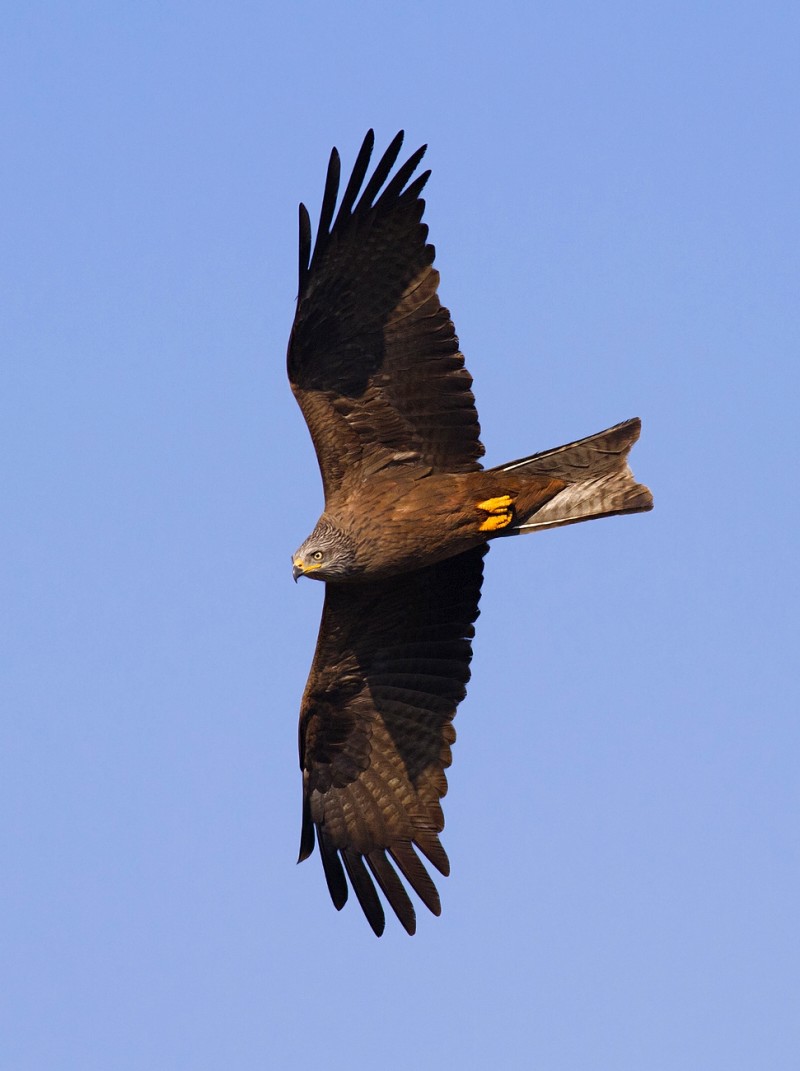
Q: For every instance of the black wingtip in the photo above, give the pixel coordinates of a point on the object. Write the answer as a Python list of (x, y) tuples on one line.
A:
[(381, 172), (333, 869), (393, 890), (329, 198), (307, 837), (356, 178), (310, 252), (396, 185), (304, 255), (364, 890), (416, 875)]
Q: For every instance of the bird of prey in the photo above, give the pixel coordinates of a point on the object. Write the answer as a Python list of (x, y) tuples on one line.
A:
[(374, 364)]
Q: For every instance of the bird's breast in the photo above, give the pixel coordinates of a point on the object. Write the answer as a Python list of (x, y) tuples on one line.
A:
[(403, 526)]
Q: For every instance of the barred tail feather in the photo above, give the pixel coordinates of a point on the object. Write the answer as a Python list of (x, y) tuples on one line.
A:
[(595, 470)]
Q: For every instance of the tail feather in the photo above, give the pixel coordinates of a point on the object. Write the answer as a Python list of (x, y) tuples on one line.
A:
[(598, 481)]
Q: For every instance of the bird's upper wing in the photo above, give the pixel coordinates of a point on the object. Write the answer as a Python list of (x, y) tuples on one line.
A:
[(391, 666), (373, 357)]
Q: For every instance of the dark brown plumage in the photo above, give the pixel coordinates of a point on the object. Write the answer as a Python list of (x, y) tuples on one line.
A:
[(375, 366)]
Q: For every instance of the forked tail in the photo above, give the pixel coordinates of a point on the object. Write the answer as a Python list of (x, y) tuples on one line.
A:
[(598, 481)]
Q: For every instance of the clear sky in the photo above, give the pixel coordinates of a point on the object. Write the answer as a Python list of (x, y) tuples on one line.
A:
[(614, 203)]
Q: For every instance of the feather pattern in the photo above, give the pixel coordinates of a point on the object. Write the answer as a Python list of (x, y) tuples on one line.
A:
[(373, 356), (596, 476), (391, 666), (375, 365)]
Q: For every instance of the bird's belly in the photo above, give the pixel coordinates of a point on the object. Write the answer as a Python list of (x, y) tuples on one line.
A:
[(403, 529)]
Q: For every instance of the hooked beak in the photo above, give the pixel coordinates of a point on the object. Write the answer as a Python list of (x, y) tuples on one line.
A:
[(297, 569)]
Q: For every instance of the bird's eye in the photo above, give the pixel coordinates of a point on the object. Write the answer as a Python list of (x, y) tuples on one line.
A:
[(317, 555)]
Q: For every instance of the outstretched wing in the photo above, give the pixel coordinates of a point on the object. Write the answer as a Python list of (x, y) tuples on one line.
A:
[(373, 356), (391, 666)]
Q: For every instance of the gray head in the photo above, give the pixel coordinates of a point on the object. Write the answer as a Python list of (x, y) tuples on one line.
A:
[(327, 554)]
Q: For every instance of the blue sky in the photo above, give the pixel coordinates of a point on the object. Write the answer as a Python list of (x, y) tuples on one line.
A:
[(615, 209)]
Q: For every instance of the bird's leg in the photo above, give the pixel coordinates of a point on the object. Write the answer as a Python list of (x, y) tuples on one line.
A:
[(499, 513)]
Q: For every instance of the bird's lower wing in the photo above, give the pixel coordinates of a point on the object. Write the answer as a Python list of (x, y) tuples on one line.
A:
[(390, 668)]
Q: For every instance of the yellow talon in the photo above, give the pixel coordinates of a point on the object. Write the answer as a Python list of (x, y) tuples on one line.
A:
[(500, 513), (496, 505)]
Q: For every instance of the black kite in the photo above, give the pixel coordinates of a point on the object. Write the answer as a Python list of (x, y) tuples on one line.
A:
[(375, 366)]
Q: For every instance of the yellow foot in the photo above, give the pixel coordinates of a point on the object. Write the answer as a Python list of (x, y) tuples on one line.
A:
[(500, 513)]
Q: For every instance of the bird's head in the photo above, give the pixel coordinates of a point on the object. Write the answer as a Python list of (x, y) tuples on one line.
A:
[(327, 554)]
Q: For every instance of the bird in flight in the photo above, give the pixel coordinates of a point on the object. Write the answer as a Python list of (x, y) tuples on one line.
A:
[(374, 364)]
